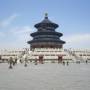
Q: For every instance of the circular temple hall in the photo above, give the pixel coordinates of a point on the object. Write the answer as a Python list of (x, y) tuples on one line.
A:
[(46, 36)]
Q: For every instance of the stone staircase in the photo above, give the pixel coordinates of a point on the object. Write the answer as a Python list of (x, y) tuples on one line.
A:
[(75, 57)]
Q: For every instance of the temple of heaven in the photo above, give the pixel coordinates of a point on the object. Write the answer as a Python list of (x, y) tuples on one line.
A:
[(46, 36)]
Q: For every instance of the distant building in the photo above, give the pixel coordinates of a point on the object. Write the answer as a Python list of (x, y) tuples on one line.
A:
[(50, 54), (46, 36)]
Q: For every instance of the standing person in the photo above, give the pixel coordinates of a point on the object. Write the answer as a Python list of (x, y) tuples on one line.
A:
[(63, 62), (67, 63), (21, 61), (35, 61), (10, 62), (0, 58), (15, 60), (86, 61), (25, 62)]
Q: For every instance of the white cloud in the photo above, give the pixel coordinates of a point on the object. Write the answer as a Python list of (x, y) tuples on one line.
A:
[(20, 30), (8, 21), (2, 34), (15, 37), (21, 35), (78, 40)]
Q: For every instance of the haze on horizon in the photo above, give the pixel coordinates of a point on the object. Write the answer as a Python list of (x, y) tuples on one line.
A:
[(18, 17)]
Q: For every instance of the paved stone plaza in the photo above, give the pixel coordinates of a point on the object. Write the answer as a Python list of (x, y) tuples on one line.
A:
[(48, 76)]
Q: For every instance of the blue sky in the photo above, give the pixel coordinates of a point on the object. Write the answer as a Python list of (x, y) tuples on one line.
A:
[(17, 18)]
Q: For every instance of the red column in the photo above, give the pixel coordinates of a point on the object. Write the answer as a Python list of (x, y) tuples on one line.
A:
[(59, 58), (41, 59)]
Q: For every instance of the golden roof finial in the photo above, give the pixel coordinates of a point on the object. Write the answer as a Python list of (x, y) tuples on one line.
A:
[(46, 15)]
